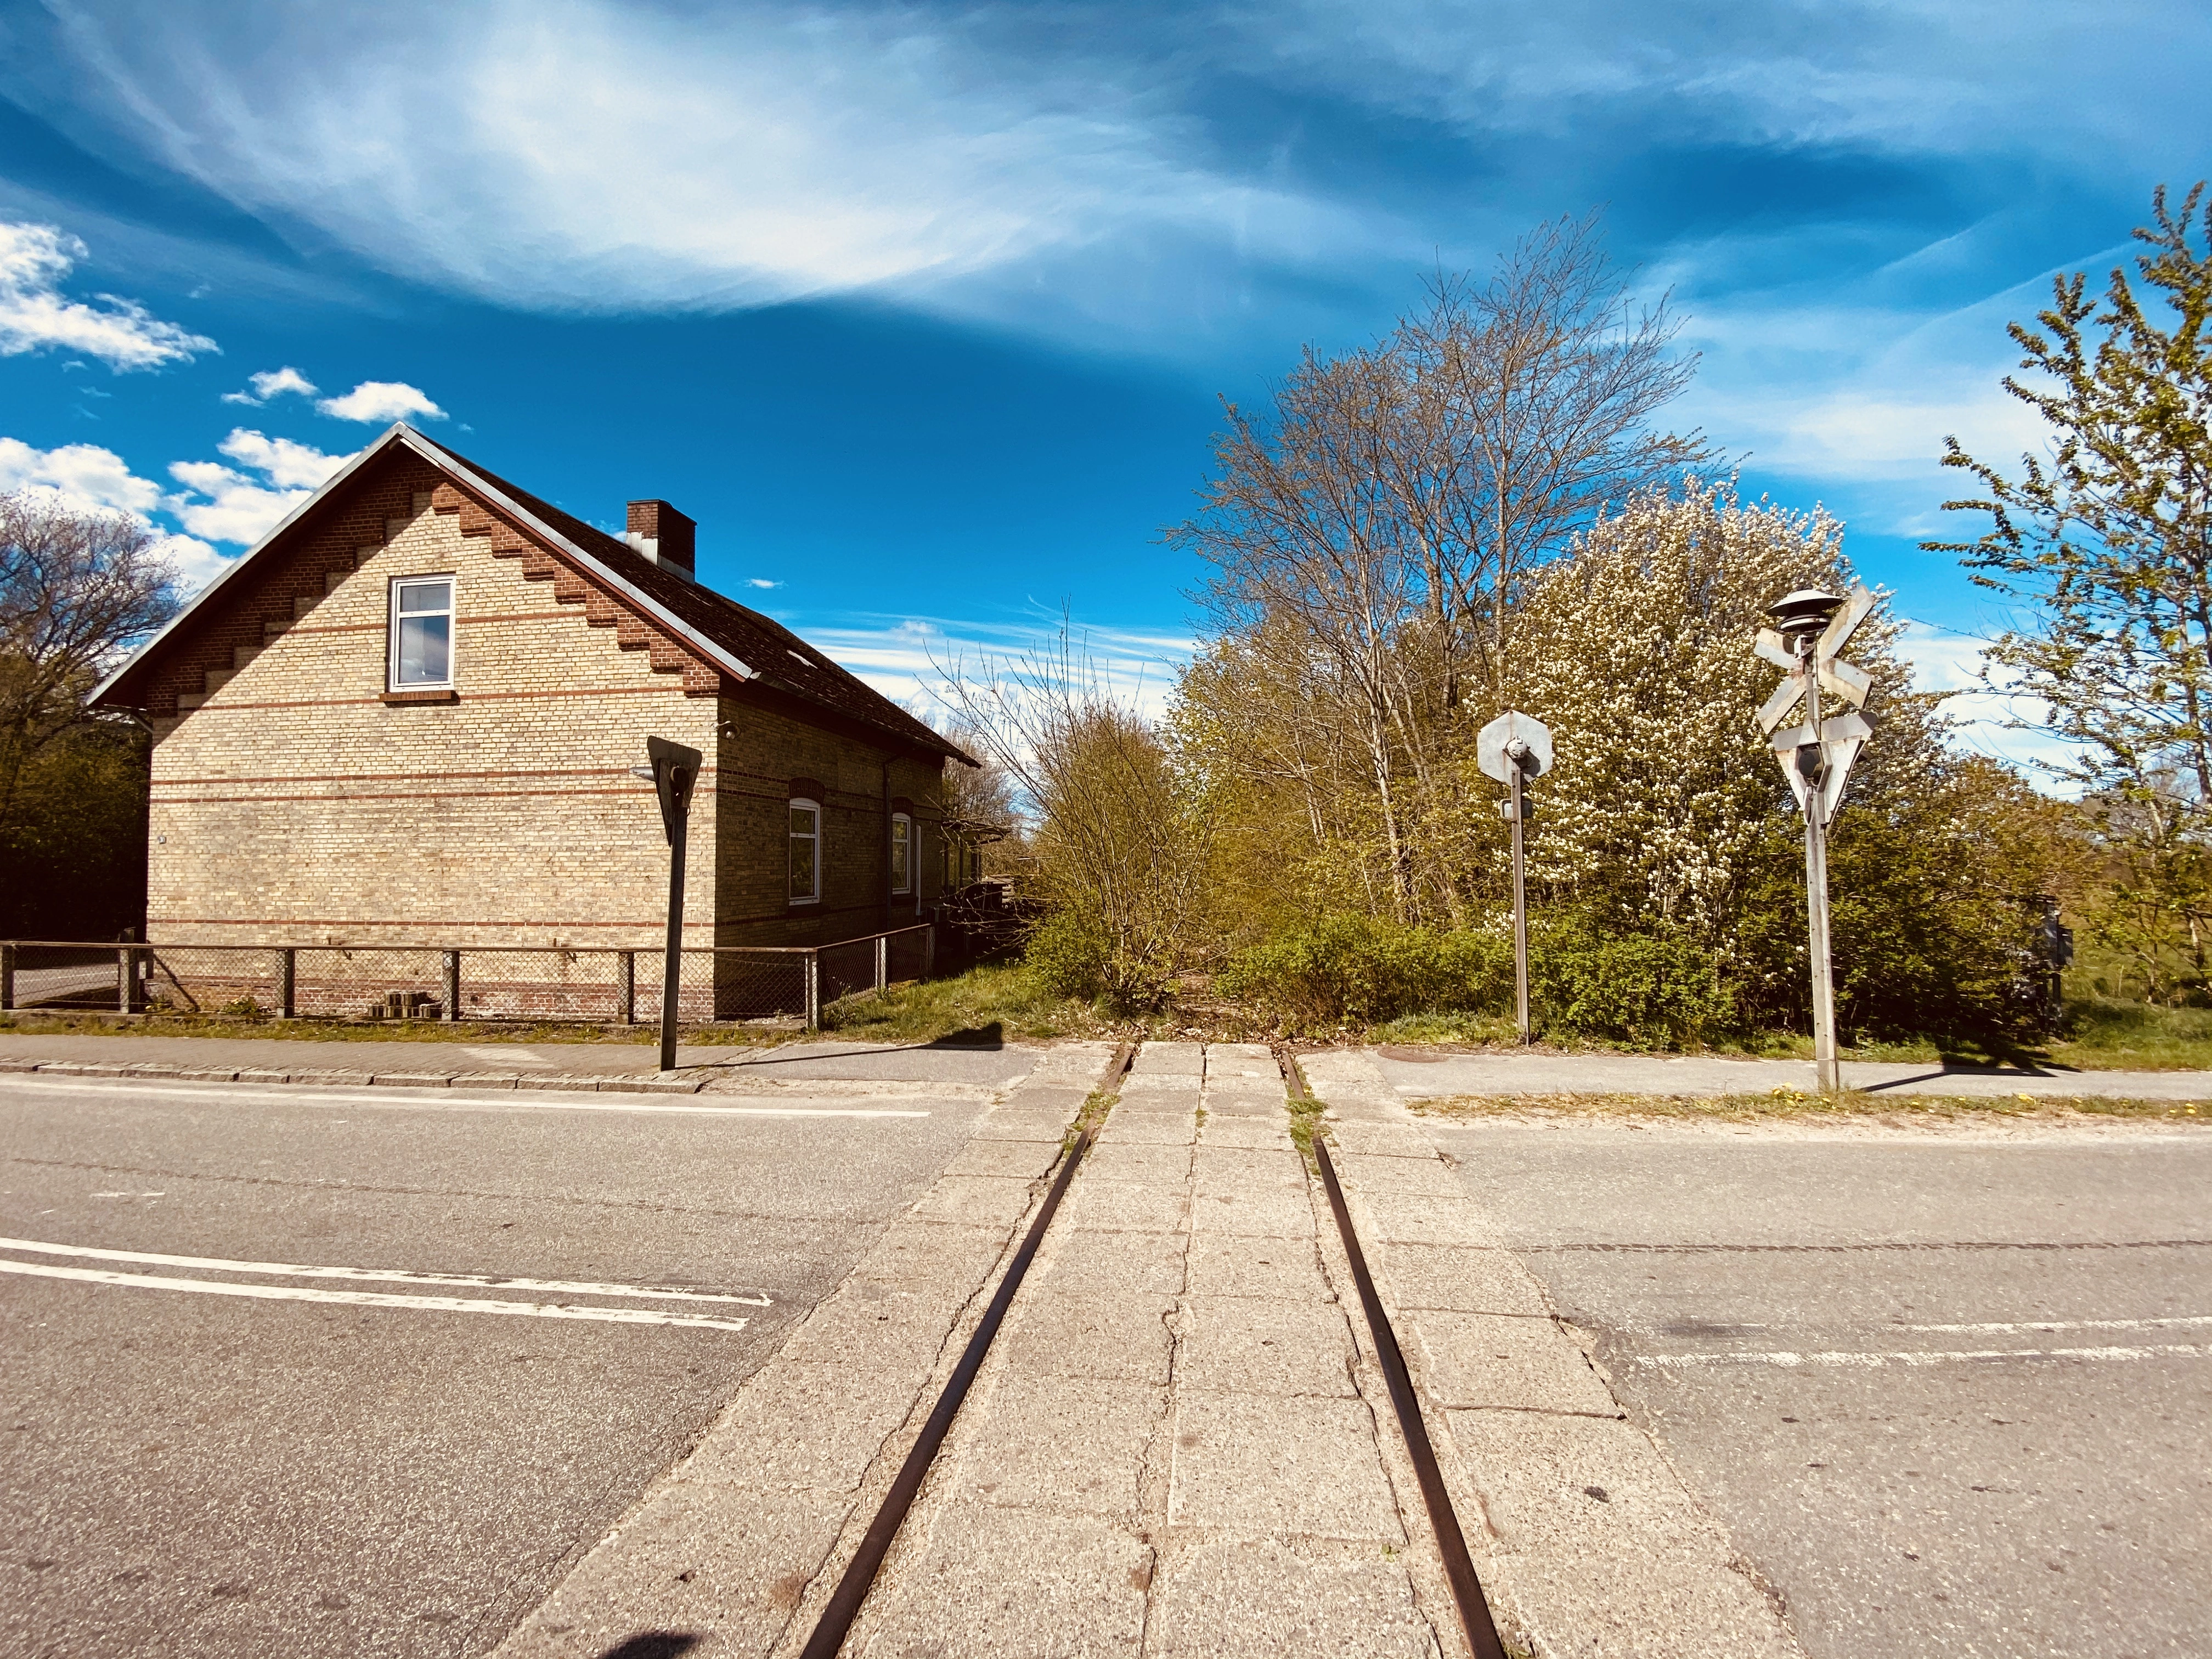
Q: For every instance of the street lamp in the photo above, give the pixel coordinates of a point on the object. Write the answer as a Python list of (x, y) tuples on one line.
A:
[(1810, 627), (673, 771)]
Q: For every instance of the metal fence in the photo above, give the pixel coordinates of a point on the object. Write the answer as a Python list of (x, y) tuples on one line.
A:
[(472, 982)]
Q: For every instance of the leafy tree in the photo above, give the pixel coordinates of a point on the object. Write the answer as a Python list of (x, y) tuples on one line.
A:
[(76, 590), (2108, 541)]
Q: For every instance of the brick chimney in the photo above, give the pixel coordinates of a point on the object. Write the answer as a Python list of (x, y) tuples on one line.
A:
[(664, 536)]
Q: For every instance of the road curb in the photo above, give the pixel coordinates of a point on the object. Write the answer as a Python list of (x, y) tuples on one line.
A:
[(585, 1083)]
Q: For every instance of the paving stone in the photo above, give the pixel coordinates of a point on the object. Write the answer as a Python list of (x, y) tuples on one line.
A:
[(1255, 1466), (261, 1074), (869, 1324), (1014, 1582), (1409, 1218), (1249, 1212), (9, 1064), (96, 1068), (1122, 1336), (701, 1558), (1220, 1169), (1424, 1177), (1275, 1599), (1066, 1445), (1181, 1099), (1264, 1345), (775, 1434), (1022, 1160), (484, 1080), (1396, 1139), (1640, 1569), (1005, 1125), (919, 1255), (642, 1084), (1241, 1060), (1150, 1129), (1465, 1280), (1498, 1360), (1111, 1264), (1120, 1160), (1226, 1134), (983, 1201), (579, 1083), (208, 1074), (1245, 1103), (1169, 1060), (389, 1079), (1123, 1206), (1283, 1267)]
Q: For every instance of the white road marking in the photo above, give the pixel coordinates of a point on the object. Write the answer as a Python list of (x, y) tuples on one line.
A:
[(377, 1298), (387, 1275), (130, 1194), (399, 1100), (2067, 1325), (1876, 1361)]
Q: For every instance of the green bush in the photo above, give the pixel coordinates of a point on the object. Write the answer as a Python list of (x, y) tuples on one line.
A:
[(1366, 970), (1645, 987), (1069, 953)]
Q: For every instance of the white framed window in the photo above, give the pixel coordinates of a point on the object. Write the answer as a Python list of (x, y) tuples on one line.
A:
[(422, 635), (806, 851), (901, 852)]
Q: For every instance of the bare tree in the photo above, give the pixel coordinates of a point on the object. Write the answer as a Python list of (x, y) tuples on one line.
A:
[(1535, 392), (76, 590), (1115, 841)]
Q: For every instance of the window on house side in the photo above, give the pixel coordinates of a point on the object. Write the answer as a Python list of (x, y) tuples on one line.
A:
[(901, 852), (422, 633), (806, 852)]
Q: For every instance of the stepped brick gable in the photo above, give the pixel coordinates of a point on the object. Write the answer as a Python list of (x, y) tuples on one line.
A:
[(307, 790)]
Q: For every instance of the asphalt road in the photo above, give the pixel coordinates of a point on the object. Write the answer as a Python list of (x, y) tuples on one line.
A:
[(191, 1471), (1951, 1395)]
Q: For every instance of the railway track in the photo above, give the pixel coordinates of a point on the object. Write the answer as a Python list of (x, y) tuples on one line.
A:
[(843, 1606)]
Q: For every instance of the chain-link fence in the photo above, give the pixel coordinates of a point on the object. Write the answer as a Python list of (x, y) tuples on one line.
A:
[(486, 983)]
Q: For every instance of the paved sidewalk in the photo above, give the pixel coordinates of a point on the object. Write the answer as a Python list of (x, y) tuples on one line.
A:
[(1429, 1074), (587, 1066)]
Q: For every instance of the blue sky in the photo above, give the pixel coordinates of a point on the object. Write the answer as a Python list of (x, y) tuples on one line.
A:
[(925, 312)]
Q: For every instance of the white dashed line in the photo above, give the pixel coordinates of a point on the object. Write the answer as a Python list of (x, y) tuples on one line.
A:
[(377, 1298), (385, 1275), (1876, 1361)]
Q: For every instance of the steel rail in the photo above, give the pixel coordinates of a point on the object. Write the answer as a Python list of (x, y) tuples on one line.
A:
[(1452, 1542), (859, 1576)]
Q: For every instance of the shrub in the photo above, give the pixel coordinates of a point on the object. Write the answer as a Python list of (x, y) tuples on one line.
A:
[(1067, 953), (1365, 970), (1646, 988)]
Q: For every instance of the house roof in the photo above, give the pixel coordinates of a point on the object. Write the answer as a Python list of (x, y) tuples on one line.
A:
[(741, 642)]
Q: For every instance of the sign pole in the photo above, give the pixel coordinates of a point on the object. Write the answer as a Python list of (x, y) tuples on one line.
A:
[(1519, 903), (1827, 1074), (674, 772)]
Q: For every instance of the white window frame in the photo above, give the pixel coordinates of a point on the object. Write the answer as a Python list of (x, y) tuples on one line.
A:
[(796, 803), (901, 821), (391, 681)]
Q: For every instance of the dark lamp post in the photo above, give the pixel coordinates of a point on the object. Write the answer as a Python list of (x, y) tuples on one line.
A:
[(674, 771)]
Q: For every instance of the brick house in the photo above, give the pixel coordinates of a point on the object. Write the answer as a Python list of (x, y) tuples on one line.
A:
[(410, 714)]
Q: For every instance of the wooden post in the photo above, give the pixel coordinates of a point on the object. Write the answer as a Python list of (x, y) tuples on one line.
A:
[(1827, 1071), (453, 966), (814, 990), (126, 983), (7, 978), (287, 981), (882, 961), (626, 985)]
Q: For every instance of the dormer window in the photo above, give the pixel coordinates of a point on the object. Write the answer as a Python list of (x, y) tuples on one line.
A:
[(422, 648)]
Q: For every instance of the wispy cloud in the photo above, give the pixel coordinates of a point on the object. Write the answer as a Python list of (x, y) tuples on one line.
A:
[(35, 260), (272, 383), (382, 401)]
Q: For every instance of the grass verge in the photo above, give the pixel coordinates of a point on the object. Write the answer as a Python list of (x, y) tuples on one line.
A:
[(1791, 1103)]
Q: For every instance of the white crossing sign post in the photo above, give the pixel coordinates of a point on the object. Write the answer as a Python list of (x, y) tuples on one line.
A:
[(1514, 749), (1815, 755)]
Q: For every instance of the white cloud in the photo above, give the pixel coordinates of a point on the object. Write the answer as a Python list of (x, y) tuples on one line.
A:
[(89, 479), (289, 465), (1944, 659), (84, 476), (222, 504), (761, 581), (35, 259), (272, 383), (907, 659), (382, 401)]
